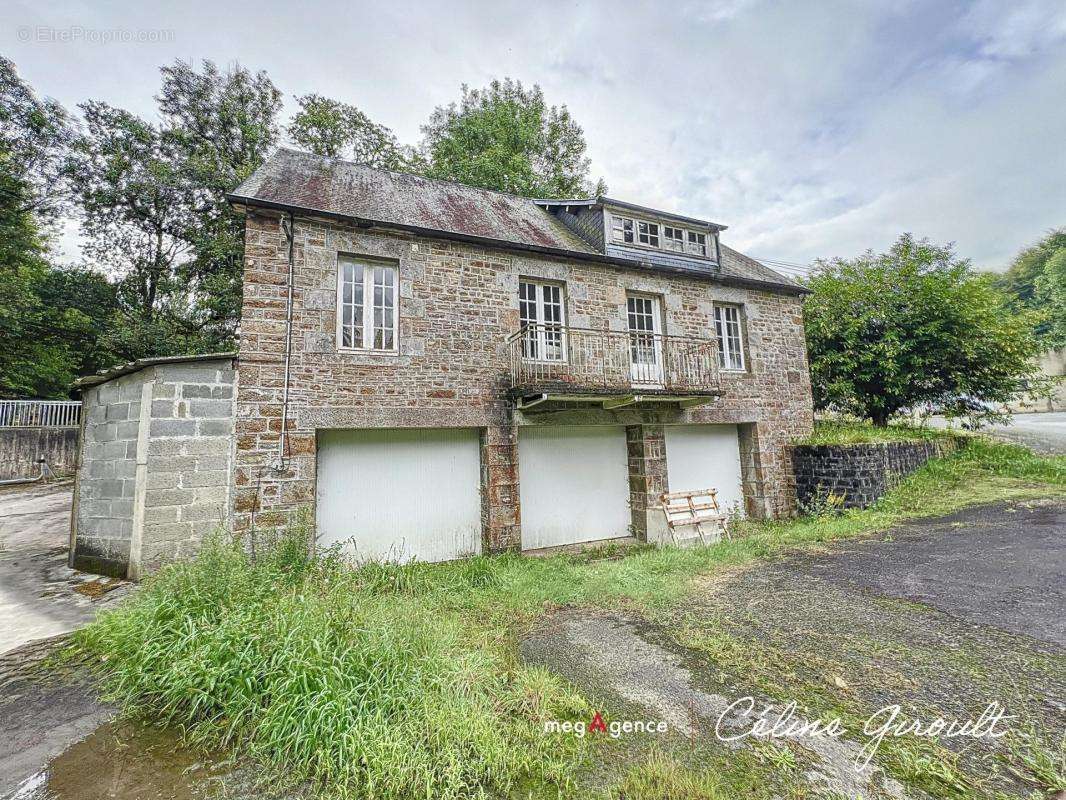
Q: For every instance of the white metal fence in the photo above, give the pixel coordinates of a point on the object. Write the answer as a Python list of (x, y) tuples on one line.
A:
[(40, 413)]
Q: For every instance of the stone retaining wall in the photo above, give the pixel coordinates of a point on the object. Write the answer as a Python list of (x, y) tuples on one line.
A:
[(862, 473), (21, 451)]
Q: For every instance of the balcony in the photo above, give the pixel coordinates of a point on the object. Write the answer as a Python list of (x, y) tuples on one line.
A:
[(557, 363)]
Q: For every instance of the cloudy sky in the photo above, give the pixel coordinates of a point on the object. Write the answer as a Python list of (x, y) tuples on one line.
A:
[(812, 129)]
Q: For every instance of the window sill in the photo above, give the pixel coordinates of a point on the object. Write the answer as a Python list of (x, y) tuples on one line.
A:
[(363, 351), (650, 249)]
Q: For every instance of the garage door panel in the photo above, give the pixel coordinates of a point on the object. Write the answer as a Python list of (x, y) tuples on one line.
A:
[(574, 483), (705, 456), (398, 494)]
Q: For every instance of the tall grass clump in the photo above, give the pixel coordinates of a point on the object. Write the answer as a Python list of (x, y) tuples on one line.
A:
[(358, 682)]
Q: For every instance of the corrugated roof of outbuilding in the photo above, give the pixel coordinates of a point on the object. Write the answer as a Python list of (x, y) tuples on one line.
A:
[(105, 375)]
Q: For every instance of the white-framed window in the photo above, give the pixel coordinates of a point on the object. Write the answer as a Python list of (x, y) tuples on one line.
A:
[(622, 229), (542, 316), (730, 340), (648, 233), (697, 243), (367, 305), (674, 238)]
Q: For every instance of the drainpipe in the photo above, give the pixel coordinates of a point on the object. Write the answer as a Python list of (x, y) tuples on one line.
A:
[(281, 462)]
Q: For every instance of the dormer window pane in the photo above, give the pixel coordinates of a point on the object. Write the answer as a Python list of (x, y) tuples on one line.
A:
[(697, 243), (675, 238), (648, 233), (622, 230)]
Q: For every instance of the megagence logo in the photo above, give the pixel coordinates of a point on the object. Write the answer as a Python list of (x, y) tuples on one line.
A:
[(615, 728)]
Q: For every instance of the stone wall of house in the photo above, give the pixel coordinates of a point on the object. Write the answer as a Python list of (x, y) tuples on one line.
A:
[(458, 303), (23, 449), (154, 470), (860, 473)]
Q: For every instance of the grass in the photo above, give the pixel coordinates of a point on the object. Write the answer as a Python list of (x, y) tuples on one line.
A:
[(390, 681), (856, 432)]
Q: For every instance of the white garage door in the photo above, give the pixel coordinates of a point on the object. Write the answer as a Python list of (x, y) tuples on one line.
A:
[(574, 484), (400, 494), (705, 457)]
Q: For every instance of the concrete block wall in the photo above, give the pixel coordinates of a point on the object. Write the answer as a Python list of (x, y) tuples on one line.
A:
[(190, 441), (106, 480), (154, 467)]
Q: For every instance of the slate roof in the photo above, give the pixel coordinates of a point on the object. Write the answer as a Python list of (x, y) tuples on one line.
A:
[(332, 187)]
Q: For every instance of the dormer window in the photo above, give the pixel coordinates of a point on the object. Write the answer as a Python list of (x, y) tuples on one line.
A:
[(622, 230), (648, 233), (675, 238), (697, 243), (665, 235)]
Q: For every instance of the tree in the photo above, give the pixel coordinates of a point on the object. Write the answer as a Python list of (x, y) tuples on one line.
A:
[(506, 137), (154, 209), (51, 320), (1021, 276), (913, 326), (221, 126), (133, 193), (1050, 292), (339, 130), (34, 135), (52, 326)]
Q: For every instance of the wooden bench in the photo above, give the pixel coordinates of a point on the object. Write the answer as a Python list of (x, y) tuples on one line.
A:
[(696, 511)]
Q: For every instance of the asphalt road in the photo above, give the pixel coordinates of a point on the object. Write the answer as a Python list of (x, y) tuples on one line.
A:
[(1044, 433), (1003, 566)]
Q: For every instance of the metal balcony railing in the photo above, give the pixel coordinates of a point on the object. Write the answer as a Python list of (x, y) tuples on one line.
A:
[(40, 413), (559, 357)]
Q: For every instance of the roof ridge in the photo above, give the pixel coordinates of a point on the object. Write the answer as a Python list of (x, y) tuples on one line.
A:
[(416, 176)]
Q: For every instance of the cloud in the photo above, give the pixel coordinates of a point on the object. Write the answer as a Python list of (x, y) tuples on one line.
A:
[(811, 129)]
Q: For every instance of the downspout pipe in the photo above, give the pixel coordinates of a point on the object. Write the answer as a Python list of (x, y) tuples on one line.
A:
[(281, 462)]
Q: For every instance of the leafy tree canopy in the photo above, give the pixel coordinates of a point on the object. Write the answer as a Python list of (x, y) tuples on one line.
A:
[(1021, 277), (913, 326), (339, 130), (154, 209), (1050, 292), (507, 137), (34, 135)]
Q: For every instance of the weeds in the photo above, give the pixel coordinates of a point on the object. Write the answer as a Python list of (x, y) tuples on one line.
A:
[(856, 432), (1036, 762)]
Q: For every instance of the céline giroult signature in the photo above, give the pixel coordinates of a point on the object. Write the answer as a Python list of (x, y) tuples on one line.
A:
[(785, 723)]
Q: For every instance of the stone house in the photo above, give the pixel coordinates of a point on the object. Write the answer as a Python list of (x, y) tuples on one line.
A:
[(461, 370), (429, 370)]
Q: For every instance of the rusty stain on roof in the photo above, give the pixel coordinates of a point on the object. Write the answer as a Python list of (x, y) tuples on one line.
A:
[(290, 178)]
